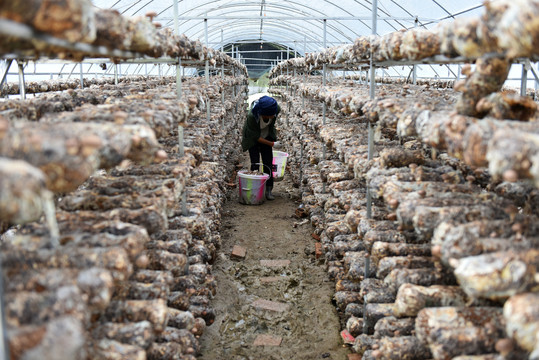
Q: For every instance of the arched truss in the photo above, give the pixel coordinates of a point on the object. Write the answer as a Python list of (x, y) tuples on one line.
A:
[(300, 25), (292, 23)]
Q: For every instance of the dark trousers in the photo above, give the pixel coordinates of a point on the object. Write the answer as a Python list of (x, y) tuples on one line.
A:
[(267, 159)]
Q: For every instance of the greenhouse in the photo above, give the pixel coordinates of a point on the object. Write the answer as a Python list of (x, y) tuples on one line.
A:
[(273, 179)]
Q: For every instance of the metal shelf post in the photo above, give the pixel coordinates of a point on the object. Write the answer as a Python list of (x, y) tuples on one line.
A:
[(7, 64), (22, 88), (372, 89)]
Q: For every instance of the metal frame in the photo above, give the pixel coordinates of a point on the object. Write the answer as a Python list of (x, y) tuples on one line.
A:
[(6, 64), (372, 90), (279, 22), (285, 8), (193, 13), (416, 20)]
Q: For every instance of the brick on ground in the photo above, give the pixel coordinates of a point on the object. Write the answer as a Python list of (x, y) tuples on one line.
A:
[(318, 249), (270, 305), (275, 263), (267, 340), (238, 252)]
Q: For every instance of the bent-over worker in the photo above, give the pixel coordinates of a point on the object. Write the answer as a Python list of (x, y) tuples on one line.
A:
[(259, 136)]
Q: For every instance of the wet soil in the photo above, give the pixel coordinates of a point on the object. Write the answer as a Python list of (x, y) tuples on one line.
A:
[(309, 326)]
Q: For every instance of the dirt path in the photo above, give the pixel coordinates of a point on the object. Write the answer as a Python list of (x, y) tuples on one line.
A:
[(304, 321)]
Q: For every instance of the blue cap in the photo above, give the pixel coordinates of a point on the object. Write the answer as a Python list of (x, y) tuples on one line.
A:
[(266, 106)]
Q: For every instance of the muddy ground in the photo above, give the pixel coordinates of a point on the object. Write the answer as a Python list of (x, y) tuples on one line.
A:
[(309, 327)]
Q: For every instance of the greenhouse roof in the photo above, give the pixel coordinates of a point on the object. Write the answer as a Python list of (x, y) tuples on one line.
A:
[(259, 34), (303, 26)]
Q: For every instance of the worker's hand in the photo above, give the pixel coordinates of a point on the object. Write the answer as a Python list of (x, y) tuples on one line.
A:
[(276, 145)]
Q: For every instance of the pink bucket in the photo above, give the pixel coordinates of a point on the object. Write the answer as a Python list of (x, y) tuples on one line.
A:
[(252, 188), (279, 164)]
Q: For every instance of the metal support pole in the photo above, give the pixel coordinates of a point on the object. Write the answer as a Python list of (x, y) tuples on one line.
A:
[(233, 75), (536, 77), (5, 72), (181, 150), (367, 267), (524, 80), (414, 72), (179, 79), (304, 71), (207, 71), (287, 58), (324, 89), (179, 65), (208, 108), (234, 79), (207, 63), (365, 324), (234, 111), (223, 79), (4, 350), (61, 71), (238, 57), (288, 115), (81, 77), (301, 119), (115, 74), (137, 69), (222, 65), (372, 89), (324, 103), (184, 203), (72, 70), (301, 146), (325, 32), (22, 85)]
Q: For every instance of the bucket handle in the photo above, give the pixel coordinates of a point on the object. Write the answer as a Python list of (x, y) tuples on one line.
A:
[(263, 165), (263, 180)]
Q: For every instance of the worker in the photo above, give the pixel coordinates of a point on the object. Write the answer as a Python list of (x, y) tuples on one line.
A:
[(259, 136)]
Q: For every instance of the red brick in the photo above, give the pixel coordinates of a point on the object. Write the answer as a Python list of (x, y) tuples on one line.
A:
[(238, 252), (274, 263), (270, 279), (318, 249), (270, 305), (267, 340)]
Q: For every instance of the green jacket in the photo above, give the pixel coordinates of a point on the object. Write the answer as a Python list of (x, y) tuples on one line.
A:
[(251, 131)]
